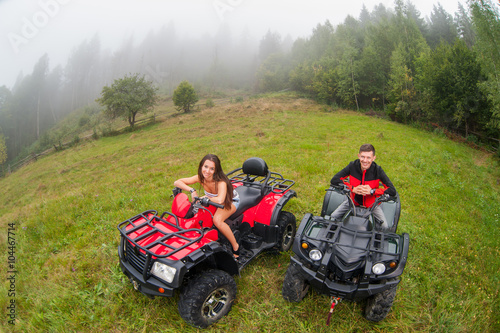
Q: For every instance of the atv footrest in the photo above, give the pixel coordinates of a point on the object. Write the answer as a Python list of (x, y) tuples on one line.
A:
[(252, 241), (246, 256)]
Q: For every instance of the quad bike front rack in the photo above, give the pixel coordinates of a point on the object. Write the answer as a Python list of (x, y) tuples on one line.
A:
[(146, 225)]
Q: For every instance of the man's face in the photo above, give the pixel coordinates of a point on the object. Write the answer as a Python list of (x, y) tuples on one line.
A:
[(366, 158)]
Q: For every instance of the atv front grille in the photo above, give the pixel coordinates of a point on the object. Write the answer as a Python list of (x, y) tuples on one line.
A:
[(147, 237), (342, 271), (137, 259)]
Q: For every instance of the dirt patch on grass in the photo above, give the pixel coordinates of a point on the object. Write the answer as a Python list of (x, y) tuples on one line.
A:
[(482, 160)]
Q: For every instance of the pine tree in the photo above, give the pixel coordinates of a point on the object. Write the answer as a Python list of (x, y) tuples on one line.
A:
[(486, 19)]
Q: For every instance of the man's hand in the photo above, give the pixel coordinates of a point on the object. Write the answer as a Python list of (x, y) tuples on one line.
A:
[(362, 189)]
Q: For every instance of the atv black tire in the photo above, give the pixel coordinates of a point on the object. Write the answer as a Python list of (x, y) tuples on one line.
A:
[(207, 298), (288, 227), (379, 305), (295, 287)]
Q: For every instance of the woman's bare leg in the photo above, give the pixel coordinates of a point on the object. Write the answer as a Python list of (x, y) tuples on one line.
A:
[(220, 216)]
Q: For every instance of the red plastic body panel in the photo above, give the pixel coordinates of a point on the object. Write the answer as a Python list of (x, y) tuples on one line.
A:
[(190, 230), (187, 226), (263, 211), (180, 205)]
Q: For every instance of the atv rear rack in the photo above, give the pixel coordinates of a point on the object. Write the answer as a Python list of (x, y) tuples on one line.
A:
[(276, 182)]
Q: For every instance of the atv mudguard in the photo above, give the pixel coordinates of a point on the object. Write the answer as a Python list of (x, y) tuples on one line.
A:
[(263, 193), (267, 211)]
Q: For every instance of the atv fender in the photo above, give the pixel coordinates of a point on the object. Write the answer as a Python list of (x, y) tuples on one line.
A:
[(279, 206), (268, 210), (212, 255), (404, 257), (296, 242)]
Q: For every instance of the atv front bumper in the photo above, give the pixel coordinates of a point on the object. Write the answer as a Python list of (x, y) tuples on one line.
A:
[(353, 292), (210, 255), (151, 286)]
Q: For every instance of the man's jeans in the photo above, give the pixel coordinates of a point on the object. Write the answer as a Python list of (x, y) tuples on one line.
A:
[(339, 213)]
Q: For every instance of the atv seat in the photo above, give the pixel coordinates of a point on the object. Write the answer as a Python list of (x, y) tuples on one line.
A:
[(392, 210), (332, 200), (251, 191)]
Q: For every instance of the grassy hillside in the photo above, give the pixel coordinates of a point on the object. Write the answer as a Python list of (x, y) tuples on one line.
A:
[(65, 209)]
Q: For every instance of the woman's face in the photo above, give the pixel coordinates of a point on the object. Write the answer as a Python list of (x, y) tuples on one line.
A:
[(208, 169)]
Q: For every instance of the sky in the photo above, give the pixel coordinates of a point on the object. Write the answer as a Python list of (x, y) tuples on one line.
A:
[(31, 28)]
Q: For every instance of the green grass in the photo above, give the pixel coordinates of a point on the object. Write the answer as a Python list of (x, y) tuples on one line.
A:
[(66, 208)]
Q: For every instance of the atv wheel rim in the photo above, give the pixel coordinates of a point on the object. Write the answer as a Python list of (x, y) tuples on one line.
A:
[(287, 235), (215, 303)]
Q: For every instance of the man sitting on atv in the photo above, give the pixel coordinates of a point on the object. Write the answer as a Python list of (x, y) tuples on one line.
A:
[(364, 178)]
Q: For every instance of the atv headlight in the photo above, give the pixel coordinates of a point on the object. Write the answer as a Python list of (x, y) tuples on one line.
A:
[(378, 269), (315, 255), (163, 271)]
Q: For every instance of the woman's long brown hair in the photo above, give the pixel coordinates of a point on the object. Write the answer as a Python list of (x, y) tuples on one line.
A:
[(219, 175)]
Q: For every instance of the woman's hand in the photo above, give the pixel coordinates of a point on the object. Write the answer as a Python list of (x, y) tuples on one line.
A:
[(193, 195), (185, 184)]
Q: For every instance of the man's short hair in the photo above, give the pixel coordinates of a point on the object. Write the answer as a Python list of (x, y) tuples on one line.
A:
[(367, 148)]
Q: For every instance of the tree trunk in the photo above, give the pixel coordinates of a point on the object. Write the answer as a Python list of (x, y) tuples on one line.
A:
[(131, 119), (354, 86)]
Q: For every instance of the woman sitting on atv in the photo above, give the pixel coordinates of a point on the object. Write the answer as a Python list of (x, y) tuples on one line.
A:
[(218, 189)]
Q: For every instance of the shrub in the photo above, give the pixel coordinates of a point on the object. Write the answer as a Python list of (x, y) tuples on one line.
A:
[(75, 141), (439, 132), (209, 103), (84, 120), (95, 136), (184, 96), (473, 139)]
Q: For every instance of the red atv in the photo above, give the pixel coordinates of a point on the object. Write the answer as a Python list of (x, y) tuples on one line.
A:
[(183, 249)]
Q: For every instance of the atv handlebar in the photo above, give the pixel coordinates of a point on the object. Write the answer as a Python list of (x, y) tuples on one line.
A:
[(205, 202), (344, 189)]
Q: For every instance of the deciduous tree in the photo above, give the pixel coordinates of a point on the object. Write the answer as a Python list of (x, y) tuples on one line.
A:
[(127, 97), (449, 80)]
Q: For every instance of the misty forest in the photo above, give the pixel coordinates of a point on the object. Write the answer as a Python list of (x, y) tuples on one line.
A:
[(442, 72)]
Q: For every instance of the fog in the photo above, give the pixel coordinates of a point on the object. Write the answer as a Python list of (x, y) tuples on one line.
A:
[(30, 29)]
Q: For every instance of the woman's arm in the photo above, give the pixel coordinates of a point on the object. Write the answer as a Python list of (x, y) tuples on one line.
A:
[(184, 183), (221, 193)]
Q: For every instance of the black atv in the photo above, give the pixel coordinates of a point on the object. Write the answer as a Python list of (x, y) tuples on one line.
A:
[(351, 259)]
